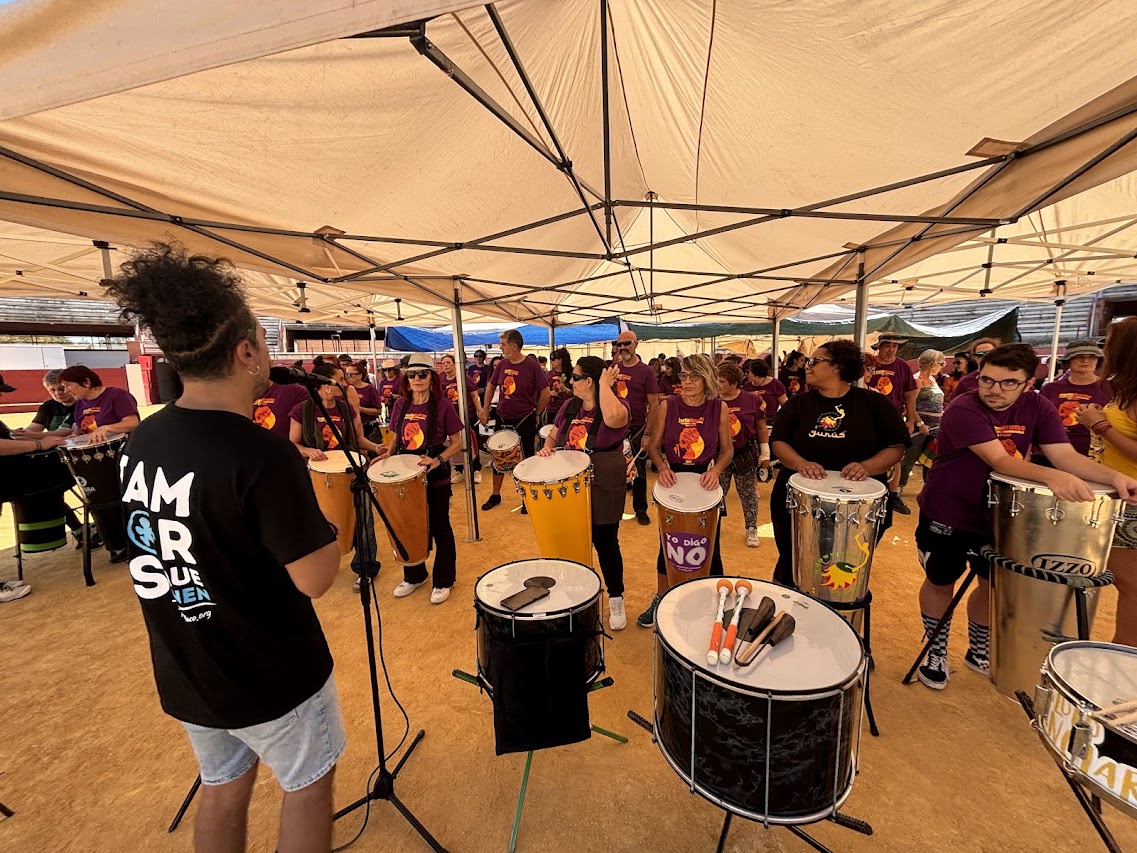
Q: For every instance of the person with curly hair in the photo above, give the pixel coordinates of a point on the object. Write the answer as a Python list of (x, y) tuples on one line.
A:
[(228, 547), (834, 426)]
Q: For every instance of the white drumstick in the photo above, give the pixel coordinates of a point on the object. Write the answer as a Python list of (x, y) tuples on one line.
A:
[(725, 588)]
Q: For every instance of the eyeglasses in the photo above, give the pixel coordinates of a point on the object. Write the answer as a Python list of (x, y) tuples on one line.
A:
[(685, 375), (351, 375), (576, 377), (1005, 384), (418, 374), (620, 344), (809, 362)]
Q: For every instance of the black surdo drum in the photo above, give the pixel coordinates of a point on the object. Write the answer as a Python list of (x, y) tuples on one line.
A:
[(775, 742)]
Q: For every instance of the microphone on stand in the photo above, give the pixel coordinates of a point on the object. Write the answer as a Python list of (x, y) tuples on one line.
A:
[(297, 376)]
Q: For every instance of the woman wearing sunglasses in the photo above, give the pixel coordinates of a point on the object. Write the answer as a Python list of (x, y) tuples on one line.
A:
[(690, 431), (424, 423), (833, 426), (596, 421)]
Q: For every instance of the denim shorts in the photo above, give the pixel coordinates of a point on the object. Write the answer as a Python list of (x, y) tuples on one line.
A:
[(300, 747)]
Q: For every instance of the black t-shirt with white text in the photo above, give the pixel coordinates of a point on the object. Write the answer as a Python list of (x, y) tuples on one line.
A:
[(834, 431), (216, 506), (53, 415)]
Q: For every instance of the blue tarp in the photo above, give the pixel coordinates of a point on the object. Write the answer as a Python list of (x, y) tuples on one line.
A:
[(408, 339)]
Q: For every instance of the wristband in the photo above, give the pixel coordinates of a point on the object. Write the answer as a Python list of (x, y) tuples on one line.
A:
[(764, 451), (1102, 427)]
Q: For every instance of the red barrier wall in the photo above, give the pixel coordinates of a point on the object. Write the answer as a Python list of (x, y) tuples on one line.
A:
[(29, 391)]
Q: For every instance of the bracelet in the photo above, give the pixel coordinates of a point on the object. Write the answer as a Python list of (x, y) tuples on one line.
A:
[(39, 444), (1102, 427)]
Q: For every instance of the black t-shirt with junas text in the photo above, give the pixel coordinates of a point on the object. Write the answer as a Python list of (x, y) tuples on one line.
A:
[(834, 431), (215, 507)]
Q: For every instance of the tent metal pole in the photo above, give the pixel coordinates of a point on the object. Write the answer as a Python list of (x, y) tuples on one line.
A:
[(861, 311), (775, 341), (1060, 287), (605, 120), (807, 213), (374, 354), (472, 533)]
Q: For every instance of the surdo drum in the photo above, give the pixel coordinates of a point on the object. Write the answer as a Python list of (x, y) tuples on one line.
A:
[(777, 741), (688, 525)]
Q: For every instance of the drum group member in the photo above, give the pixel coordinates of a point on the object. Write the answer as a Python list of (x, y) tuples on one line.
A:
[(228, 547), (309, 430), (751, 444), (560, 383), (271, 410), (792, 374), (99, 410), (389, 385), (370, 404), (892, 377), (422, 422), (689, 431), (771, 393), (1080, 386), (962, 364), (55, 416), (991, 429), (1114, 429), (929, 410), (597, 421), (834, 426), (669, 376), (523, 389), (970, 381), (449, 379), (479, 371), (637, 385)]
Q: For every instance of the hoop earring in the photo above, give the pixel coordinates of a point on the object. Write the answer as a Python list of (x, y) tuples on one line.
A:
[(258, 371)]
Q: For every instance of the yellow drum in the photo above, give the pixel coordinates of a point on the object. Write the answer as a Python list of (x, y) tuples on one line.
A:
[(331, 480), (399, 484), (557, 491)]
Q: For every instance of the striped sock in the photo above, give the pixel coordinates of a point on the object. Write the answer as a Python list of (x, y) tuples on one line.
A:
[(939, 645), (979, 638)]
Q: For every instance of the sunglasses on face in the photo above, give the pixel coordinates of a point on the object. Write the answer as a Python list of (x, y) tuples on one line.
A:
[(576, 377), (810, 362), (351, 375), (418, 374), (1005, 384), (621, 344)]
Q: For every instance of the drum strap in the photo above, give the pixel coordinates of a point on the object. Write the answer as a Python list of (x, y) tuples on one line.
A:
[(572, 409), (313, 437)]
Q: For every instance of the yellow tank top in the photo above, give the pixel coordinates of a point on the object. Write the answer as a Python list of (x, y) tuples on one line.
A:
[(1106, 453)]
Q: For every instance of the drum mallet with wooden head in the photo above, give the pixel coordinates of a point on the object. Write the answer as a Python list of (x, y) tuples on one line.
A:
[(781, 631), (724, 588), (741, 589), (749, 629)]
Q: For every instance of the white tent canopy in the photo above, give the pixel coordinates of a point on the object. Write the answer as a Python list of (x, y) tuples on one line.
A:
[(780, 143)]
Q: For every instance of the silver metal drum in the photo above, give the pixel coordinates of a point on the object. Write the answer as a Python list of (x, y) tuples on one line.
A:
[(835, 524), (1037, 530)]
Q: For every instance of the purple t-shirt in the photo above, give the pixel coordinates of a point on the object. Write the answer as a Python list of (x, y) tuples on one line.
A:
[(330, 443), (968, 382), (369, 399), (389, 389), (413, 437), (633, 384), (768, 395), (450, 389), (272, 410), (744, 414), (479, 374), (954, 492), (575, 432), (667, 387), (893, 380), (691, 433), (519, 386), (1067, 397), (110, 407), (560, 394)]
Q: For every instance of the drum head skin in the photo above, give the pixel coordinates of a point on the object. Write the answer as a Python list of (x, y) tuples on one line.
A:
[(396, 469), (574, 585), (503, 440), (687, 496), (546, 430), (1099, 489), (81, 442), (823, 652), (552, 469), (837, 488), (336, 463), (1103, 674)]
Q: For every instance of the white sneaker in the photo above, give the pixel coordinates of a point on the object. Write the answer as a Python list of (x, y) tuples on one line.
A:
[(478, 478), (9, 591), (404, 589), (355, 586), (617, 619), (751, 537), (456, 476), (439, 595)]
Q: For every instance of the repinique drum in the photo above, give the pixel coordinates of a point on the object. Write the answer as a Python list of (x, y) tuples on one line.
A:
[(557, 491), (331, 480), (505, 448), (1079, 680), (94, 465), (399, 484), (777, 741), (835, 525), (537, 662), (543, 434), (688, 525), (1037, 529)]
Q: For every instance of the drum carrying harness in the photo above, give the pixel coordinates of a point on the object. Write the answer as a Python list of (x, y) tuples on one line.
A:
[(313, 437), (572, 409)]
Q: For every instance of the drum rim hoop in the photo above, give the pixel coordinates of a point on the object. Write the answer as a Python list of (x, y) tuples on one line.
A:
[(564, 478), (502, 431), (1100, 490), (87, 446), (837, 498), (658, 485), (1068, 689), (490, 610), (348, 470), (410, 473)]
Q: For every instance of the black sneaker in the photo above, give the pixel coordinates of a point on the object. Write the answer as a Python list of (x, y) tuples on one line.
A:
[(934, 673), (491, 502), (119, 556), (647, 618), (643, 518), (980, 664), (898, 504)]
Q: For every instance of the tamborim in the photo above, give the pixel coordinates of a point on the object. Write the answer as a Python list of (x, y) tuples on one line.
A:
[(557, 491), (399, 485), (688, 525), (331, 481)]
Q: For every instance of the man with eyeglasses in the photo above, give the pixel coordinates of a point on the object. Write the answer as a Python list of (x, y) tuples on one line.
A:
[(893, 378), (990, 429), (524, 396), (637, 385)]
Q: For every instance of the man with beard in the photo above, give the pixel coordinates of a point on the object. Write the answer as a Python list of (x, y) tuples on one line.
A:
[(638, 386)]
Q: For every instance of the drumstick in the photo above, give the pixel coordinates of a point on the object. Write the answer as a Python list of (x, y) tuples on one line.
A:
[(761, 617), (1122, 719), (782, 630), (724, 588), (1114, 710), (750, 649), (741, 589)]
